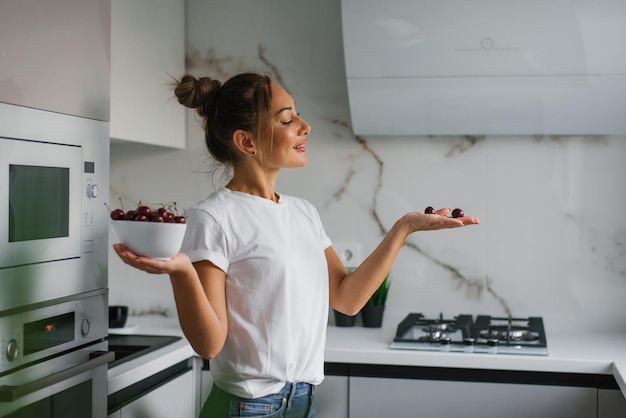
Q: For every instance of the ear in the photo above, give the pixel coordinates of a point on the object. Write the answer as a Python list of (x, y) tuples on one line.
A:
[(244, 143)]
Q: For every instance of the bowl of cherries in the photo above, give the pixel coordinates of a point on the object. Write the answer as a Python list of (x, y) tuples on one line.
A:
[(155, 232)]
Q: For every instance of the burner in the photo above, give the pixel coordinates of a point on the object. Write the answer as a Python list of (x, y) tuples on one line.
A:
[(508, 333), (486, 334), (439, 326)]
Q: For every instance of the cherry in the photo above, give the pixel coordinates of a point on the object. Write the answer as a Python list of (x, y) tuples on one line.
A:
[(165, 214), (144, 210), (429, 210), (143, 213), (155, 217), (117, 214), (457, 213)]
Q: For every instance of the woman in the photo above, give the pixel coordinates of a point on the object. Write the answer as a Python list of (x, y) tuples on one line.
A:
[(257, 272)]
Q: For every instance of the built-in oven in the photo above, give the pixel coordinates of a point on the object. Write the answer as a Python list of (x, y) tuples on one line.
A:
[(54, 358), (54, 176)]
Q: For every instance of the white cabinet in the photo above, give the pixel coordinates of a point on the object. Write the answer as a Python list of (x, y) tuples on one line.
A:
[(55, 56), (331, 397), (206, 383), (147, 50), (172, 399), (407, 398)]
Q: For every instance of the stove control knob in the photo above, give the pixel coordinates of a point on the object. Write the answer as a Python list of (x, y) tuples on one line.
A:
[(445, 340), (492, 342), (12, 350), (85, 326), (469, 341)]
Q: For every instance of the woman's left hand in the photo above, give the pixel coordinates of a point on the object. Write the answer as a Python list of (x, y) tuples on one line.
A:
[(418, 221)]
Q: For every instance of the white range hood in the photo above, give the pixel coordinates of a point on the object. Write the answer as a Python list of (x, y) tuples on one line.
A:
[(485, 67)]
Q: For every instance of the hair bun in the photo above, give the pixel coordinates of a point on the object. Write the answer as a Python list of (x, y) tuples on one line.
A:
[(197, 94)]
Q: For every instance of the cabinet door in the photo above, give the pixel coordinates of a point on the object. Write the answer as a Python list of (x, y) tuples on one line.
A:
[(206, 383), (173, 399), (147, 49), (611, 403), (405, 398), (55, 56), (331, 397)]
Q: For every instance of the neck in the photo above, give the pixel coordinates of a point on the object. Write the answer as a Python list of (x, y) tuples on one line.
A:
[(262, 186)]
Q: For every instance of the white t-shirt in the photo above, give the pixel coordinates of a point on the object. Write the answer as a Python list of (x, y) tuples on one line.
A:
[(276, 288)]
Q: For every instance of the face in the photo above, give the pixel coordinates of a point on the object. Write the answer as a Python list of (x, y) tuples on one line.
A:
[(288, 146)]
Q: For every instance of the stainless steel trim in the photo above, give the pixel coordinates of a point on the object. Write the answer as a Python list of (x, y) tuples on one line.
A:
[(11, 393)]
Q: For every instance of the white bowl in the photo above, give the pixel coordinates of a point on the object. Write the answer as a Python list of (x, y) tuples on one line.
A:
[(160, 240)]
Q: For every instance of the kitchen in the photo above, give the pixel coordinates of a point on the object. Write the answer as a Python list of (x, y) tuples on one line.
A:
[(550, 243)]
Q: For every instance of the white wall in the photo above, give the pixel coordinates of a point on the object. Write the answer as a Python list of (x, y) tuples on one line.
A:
[(552, 241)]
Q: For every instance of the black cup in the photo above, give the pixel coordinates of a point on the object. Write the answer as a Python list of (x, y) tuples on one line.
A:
[(118, 315)]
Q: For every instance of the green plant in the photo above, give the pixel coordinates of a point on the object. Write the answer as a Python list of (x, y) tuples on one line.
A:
[(380, 295)]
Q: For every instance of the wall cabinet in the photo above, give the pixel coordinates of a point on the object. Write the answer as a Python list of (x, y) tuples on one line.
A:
[(55, 55), (147, 50)]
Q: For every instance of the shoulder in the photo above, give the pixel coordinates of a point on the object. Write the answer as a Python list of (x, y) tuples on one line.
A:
[(296, 202), (299, 204), (214, 201)]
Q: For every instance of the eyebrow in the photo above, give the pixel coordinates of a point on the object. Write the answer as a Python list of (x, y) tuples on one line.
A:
[(283, 109)]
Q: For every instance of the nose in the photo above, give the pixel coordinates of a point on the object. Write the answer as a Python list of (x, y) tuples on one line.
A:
[(305, 127)]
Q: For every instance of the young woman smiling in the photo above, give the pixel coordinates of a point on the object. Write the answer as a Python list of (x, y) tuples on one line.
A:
[(257, 265)]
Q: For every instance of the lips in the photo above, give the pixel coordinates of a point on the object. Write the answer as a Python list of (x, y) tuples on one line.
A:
[(300, 147)]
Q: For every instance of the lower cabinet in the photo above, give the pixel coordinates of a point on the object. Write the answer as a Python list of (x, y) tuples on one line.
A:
[(380, 397), (206, 383), (364, 391), (331, 397), (611, 403), (172, 397)]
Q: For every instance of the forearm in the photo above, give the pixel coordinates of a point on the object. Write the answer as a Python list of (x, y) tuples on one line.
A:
[(349, 292), (352, 291)]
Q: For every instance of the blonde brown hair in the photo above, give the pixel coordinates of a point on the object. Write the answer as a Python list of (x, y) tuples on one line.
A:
[(242, 102)]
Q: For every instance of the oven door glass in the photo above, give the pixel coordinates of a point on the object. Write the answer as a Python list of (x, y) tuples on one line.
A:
[(40, 191), (75, 402)]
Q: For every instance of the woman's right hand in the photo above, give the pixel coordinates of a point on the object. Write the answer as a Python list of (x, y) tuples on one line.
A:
[(179, 263)]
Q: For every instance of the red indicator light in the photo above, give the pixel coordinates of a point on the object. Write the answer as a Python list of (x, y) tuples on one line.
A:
[(49, 327)]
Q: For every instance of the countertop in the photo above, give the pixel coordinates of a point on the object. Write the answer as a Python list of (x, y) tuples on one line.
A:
[(132, 371), (601, 353)]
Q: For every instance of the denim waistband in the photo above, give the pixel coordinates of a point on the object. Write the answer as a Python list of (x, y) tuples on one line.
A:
[(292, 390)]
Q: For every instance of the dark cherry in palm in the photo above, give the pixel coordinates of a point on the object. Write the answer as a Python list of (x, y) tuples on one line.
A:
[(457, 213)]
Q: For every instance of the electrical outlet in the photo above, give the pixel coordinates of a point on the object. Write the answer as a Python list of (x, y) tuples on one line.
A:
[(349, 253)]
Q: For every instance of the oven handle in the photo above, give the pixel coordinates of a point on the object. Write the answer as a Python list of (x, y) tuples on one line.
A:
[(10, 393)]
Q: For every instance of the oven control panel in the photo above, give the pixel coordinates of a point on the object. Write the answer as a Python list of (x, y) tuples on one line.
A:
[(36, 334)]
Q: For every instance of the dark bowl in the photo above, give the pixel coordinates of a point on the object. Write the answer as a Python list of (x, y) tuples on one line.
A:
[(118, 315)]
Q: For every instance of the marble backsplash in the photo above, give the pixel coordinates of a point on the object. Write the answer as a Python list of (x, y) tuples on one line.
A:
[(551, 243)]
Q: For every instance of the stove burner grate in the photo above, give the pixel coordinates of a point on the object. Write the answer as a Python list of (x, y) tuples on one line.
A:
[(506, 333), (486, 334)]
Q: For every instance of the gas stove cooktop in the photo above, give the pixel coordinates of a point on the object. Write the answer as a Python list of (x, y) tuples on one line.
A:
[(463, 333)]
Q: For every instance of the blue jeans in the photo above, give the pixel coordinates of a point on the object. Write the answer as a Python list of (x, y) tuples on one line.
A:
[(294, 400)]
